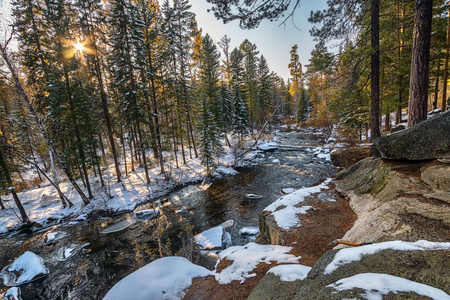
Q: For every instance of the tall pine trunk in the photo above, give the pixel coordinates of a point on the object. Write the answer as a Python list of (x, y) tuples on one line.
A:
[(418, 94), (375, 71)]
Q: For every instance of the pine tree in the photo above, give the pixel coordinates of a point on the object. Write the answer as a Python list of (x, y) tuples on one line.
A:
[(210, 106), (240, 109), (250, 91), (264, 88)]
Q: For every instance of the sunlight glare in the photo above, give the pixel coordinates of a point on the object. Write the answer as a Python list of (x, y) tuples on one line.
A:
[(78, 46)]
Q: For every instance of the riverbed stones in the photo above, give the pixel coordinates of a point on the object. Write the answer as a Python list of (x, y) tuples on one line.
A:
[(427, 140)]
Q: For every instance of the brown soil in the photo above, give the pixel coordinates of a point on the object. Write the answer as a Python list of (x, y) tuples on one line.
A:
[(320, 226)]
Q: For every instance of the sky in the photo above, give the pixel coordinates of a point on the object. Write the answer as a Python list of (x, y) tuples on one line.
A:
[(273, 40)]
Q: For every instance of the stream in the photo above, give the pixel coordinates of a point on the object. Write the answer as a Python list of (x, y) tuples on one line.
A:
[(86, 259)]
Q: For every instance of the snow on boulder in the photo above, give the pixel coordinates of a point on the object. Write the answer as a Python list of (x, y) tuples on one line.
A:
[(53, 237), (246, 258), (28, 267), (249, 231), (210, 239), (13, 294), (285, 209), (348, 255), (376, 285), (290, 272), (165, 278), (268, 146)]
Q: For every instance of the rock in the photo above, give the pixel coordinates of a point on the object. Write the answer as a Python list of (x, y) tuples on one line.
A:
[(346, 157), (398, 127), (430, 139), (389, 199), (429, 267), (27, 268), (271, 287), (13, 294)]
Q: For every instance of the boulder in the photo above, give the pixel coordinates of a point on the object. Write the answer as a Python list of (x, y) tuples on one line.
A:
[(346, 157), (428, 267), (393, 202), (430, 139)]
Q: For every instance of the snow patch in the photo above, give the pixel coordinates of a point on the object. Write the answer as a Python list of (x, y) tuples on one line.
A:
[(376, 285), (210, 239), (348, 255), (13, 294), (246, 258), (28, 267), (165, 278), (285, 209), (249, 231), (290, 272)]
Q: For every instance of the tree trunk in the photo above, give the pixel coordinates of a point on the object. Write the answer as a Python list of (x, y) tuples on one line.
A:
[(77, 133), (21, 92), (7, 176), (417, 107), (447, 50), (436, 87), (375, 72), (62, 197)]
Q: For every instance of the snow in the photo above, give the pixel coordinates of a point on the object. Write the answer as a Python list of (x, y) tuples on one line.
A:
[(119, 226), (147, 214), (288, 191), (166, 278), (348, 255), (69, 252), (210, 239), (13, 294), (28, 267), (268, 146), (276, 161), (52, 237), (376, 285), (290, 272), (43, 204), (246, 258), (285, 209), (249, 231)]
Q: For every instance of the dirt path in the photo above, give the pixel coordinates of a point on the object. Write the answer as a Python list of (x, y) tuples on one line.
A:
[(329, 220)]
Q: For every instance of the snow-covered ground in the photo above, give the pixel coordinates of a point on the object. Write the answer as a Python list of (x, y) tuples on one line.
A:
[(42, 204)]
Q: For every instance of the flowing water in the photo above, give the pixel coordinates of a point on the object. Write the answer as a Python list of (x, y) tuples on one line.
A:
[(86, 259)]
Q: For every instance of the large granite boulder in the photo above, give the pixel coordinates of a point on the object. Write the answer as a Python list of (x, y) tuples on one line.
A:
[(427, 140), (389, 270), (346, 157)]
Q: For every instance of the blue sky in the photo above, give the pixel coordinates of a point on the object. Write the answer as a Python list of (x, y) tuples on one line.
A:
[(273, 40)]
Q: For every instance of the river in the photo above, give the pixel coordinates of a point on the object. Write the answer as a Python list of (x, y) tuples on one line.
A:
[(105, 258)]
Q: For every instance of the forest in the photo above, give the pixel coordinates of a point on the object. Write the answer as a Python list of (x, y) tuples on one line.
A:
[(104, 87)]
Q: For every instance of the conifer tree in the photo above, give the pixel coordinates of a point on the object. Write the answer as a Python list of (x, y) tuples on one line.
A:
[(240, 109), (210, 108)]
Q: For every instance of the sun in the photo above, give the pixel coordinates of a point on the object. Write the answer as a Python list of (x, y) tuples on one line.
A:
[(79, 46)]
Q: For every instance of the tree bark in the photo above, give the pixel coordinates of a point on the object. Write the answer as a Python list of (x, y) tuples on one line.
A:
[(375, 71), (19, 205), (418, 94), (447, 52), (21, 92)]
